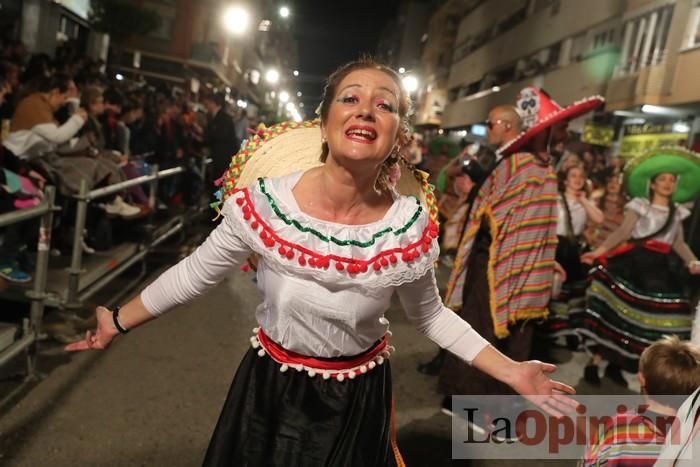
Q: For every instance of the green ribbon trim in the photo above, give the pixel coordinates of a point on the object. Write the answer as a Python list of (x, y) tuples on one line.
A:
[(337, 241)]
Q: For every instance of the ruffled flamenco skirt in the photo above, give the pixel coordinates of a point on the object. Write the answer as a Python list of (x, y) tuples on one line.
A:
[(637, 295), (303, 414)]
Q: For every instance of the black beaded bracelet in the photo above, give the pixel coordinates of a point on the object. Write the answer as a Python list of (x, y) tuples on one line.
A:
[(117, 324)]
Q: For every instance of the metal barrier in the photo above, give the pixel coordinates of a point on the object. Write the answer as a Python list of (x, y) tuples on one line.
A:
[(32, 326), (74, 296)]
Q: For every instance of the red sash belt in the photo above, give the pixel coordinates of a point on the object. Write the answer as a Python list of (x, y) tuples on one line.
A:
[(651, 245), (338, 369)]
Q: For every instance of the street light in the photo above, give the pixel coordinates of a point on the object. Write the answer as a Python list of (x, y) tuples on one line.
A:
[(284, 12), (295, 72), (410, 83), (402, 70), (290, 106), (272, 76), (236, 19), (284, 96), (298, 93)]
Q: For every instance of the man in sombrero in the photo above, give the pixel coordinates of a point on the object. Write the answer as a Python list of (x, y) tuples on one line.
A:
[(502, 278)]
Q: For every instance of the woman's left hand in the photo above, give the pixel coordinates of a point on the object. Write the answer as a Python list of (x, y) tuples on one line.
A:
[(531, 381), (694, 267)]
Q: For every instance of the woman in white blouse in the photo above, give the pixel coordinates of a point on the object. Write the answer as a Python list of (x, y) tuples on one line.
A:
[(638, 291), (335, 243), (574, 210)]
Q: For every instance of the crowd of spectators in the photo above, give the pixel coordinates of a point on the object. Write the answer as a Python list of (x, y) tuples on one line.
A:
[(64, 120)]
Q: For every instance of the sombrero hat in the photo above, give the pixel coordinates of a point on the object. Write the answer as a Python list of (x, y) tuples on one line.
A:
[(683, 163), (539, 112), (437, 144), (289, 147)]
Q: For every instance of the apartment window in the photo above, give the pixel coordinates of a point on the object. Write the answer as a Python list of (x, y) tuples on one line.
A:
[(452, 94), (693, 36), (603, 39)]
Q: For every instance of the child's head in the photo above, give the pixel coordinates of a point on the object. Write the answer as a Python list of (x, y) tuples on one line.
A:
[(670, 366)]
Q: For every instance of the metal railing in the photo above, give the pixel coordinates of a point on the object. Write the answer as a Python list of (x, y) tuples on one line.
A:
[(74, 297), (31, 327)]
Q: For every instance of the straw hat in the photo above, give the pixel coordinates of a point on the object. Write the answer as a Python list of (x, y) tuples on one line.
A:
[(683, 163), (288, 147), (539, 112)]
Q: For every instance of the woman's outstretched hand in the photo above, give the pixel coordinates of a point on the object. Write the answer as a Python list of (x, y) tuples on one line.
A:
[(101, 337), (531, 381)]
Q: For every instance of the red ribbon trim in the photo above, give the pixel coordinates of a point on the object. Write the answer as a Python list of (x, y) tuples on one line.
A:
[(651, 245), (282, 355), (429, 232)]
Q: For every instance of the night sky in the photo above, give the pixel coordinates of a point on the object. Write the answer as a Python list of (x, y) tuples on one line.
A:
[(330, 33)]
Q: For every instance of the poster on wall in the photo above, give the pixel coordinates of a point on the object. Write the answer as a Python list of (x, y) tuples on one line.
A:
[(638, 139), (79, 7), (598, 134)]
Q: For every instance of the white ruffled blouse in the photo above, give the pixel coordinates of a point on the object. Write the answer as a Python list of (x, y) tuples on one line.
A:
[(653, 217), (578, 216), (325, 286)]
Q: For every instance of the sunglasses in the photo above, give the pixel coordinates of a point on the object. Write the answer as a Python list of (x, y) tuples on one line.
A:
[(490, 124)]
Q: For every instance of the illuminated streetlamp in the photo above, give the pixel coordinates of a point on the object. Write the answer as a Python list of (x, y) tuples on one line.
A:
[(272, 76), (295, 72), (236, 20), (284, 96), (284, 12), (410, 83)]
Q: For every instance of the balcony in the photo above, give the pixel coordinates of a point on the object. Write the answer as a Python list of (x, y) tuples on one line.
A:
[(685, 82), (644, 87), (565, 84)]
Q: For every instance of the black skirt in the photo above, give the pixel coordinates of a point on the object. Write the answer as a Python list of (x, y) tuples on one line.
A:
[(639, 297), (289, 419), (566, 309)]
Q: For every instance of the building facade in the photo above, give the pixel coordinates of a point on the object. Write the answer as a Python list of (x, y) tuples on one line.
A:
[(640, 54), (193, 45)]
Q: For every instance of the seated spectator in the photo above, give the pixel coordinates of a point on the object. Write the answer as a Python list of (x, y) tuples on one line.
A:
[(33, 130), (92, 100), (667, 367), (12, 248), (54, 150), (116, 134)]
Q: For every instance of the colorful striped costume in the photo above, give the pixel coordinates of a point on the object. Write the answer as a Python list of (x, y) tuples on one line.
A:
[(627, 439), (518, 202)]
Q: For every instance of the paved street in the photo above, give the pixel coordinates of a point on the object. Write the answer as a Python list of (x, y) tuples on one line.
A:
[(153, 398)]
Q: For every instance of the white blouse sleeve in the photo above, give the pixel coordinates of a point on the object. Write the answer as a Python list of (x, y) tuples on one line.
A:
[(423, 305), (200, 271)]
